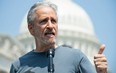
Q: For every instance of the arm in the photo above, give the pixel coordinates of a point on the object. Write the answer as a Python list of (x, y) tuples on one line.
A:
[(86, 66), (15, 66), (12, 69), (100, 61)]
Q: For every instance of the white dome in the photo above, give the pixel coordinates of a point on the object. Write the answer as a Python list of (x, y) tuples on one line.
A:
[(71, 17)]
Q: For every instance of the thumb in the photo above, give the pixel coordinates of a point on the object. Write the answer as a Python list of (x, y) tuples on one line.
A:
[(102, 47)]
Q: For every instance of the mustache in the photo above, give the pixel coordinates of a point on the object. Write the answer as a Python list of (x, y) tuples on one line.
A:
[(50, 31)]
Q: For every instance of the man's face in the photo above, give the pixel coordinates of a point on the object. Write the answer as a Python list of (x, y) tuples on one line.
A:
[(45, 26)]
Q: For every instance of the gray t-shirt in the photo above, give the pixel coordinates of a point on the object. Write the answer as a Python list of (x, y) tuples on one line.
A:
[(66, 60)]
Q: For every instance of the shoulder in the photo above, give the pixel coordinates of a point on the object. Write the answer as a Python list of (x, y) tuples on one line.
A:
[(16, 63), (26, 55), (70, 49), (75, 52)]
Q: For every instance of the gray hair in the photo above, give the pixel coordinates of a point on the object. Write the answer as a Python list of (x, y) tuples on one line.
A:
[(31, 14)]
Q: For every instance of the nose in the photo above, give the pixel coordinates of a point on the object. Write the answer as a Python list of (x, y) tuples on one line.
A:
[(50, 25)]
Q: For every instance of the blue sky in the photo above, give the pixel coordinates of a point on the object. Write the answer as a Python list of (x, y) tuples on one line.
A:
[(101, 12)]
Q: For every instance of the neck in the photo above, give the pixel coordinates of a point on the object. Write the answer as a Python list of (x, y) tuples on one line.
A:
[(44, 48)]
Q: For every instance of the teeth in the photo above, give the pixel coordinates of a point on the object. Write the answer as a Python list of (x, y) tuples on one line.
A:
[(49, 33)]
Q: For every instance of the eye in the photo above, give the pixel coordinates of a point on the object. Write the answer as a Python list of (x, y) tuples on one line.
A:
[(54, 21), (44, 21)]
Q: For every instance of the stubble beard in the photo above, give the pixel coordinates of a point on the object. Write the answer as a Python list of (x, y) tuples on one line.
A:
[(46, 43), (50, 43)]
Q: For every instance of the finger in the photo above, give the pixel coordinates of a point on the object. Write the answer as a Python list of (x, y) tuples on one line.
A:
[(101, 49), (100, 60), (99, 56), (101, 63)]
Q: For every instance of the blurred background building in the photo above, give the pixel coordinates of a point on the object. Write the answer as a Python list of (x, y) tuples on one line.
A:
[(75, 29)]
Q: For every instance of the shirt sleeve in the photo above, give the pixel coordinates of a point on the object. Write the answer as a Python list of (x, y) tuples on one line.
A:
[(86, 66), (15, 66), (12, 69)]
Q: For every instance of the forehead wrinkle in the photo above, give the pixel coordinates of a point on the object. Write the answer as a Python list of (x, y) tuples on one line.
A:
[(44, 11)]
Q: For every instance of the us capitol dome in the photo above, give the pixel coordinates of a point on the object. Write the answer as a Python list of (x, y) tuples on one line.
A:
[(75, 29)]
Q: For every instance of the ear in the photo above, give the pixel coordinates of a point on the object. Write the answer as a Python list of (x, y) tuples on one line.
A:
[(31, 29)]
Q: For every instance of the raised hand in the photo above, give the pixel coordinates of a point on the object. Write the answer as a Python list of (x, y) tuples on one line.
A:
[(100, 61)]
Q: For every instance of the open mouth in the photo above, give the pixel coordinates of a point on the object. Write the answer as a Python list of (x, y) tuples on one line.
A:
[(50, 34)]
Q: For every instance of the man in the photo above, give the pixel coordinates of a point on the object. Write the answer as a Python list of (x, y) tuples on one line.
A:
[(43, 25)]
